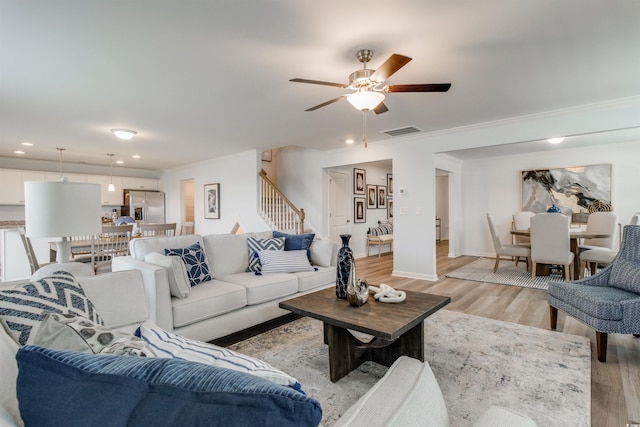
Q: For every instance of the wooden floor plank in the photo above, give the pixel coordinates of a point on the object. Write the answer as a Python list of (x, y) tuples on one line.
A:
[(615, 385)]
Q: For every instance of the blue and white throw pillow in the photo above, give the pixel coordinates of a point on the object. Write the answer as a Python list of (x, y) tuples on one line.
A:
[(256, 245), (195, 261), (168, 345), (284, 261), (21, 308)]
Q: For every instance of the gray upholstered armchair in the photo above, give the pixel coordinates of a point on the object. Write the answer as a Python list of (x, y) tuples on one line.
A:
[(609, 301)]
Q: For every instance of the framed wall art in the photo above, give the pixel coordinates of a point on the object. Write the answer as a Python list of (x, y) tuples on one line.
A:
[(382, 196), (359, 209), (390, 184), (212, 201), (372, 196), (359, 181), (572, 188), (390, 209)]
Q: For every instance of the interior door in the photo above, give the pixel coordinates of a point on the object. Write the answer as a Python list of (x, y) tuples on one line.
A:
[(339, 214)]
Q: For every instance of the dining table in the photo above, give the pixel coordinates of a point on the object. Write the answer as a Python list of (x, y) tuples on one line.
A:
[(574, 236), (84, 246)]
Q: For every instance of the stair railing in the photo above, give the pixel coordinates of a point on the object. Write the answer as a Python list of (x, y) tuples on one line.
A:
[(277, 210)]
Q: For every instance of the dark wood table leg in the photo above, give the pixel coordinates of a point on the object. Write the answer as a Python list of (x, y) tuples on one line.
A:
[(576, 259), (346, 352)]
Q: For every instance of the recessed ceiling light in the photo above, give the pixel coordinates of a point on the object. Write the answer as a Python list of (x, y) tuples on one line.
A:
[(120, 162), (124, 133), (28, 144), (349, 141), (557, 140), (19, 152), (135, 156)]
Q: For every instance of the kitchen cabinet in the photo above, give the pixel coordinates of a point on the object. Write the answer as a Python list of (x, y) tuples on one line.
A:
[(12, 185), (108, 198), (129, 183)]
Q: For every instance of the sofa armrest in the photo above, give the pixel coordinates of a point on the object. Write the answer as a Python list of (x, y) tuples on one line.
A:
[(156, 288)]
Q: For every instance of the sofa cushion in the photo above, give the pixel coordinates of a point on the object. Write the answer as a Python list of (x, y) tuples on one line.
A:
[(321, 251), (209, 299), (165, 344), (284, 261), (321, 276), (407, 395), (8, 374), (140, 247), (179, 284), (195, 262), (256, 245), (21, 307), (73, 333), (295, 242), (227, 253), (143, 391), (266, 287)]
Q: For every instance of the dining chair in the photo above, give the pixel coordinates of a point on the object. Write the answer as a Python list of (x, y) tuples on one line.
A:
[(31, 255), (154, 230), (601, 222), (87, 252), (603, 256), (522, 221), (516, 251), (550, 242), (635, 219), (187, 228), (113, 242)]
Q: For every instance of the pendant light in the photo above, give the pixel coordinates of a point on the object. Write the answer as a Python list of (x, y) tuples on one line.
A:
[(111, 187), (60, 150)]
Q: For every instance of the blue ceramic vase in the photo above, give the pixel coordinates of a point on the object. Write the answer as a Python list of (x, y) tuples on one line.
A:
[(345, 255), (554, 209)]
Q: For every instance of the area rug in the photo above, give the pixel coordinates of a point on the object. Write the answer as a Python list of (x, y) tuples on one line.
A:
[(478, 362), (508, 273)]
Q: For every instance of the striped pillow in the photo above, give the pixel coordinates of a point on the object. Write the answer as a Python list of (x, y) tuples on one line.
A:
[(284, 261), (256, 245), (168, 345)]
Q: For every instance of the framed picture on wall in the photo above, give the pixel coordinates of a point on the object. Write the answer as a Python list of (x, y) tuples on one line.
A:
[(359, 209), (390, 184), (389, 208), (212, 201), (382, 196), (359, 181), (372, 196)]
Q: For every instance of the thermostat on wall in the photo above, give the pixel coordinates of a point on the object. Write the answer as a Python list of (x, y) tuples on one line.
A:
[(402, 190)]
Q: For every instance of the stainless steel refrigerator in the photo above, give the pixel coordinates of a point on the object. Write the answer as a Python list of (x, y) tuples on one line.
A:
[(146, 207)]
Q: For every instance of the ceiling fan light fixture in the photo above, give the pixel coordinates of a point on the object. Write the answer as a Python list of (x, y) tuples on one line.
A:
[(125, 134), (365, 100), (557, 140)]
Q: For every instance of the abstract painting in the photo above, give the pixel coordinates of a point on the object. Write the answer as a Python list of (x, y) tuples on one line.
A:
[(571, 189)]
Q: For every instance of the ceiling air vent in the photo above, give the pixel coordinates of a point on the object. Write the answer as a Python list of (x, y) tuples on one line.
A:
[(402, 131)]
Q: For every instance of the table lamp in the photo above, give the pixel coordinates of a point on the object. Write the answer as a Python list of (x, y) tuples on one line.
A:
[(62, 209)]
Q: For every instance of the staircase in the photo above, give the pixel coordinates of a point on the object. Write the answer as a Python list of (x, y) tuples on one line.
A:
[(277, 210)]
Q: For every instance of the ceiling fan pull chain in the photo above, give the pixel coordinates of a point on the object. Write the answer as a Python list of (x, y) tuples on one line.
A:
[(364, 128)]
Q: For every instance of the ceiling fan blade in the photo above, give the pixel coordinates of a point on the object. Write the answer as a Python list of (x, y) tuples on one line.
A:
[(381, 108), (390, 66), (429, 87), (324, 104), (318, 82)]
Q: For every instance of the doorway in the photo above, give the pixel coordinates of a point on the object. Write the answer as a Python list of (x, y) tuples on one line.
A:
[(188, 200), (339, 222)]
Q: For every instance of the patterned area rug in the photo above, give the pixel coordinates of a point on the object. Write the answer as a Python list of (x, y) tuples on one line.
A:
[(481, 270), (478, 363)]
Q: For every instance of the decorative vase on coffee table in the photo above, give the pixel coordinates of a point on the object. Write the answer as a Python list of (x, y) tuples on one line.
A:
[(345, 256)]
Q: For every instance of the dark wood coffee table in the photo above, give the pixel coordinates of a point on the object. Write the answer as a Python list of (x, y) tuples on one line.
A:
[(397, 328)]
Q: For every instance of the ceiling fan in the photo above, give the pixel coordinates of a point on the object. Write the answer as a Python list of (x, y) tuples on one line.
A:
[(368, 95)]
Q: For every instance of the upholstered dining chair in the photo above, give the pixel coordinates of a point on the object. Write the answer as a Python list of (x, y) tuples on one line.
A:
[(608, 301), (550, 242), (601, 222), (522, 221), (506, 250)]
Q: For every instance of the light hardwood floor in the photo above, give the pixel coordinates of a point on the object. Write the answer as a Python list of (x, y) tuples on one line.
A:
[(615, 385)]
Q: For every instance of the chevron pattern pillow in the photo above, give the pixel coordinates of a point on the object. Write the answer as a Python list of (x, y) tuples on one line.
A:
[(195, 261), (257, 245), (21, 308)]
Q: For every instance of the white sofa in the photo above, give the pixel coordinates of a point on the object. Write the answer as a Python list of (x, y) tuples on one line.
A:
[(408, 395), (235, 299)]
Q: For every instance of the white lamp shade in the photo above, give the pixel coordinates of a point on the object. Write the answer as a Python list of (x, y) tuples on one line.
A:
[(366, 100), (62, 209)]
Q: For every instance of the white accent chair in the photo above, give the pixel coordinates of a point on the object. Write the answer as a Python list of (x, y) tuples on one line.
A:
[(517, 251), (550, 242)]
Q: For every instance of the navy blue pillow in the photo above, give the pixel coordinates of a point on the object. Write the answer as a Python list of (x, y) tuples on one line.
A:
[(295, 242), (62, 388), (195, 261)]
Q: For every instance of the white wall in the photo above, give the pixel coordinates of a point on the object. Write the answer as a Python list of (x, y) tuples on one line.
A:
[(238, 178), (442, 205), (494, 186)]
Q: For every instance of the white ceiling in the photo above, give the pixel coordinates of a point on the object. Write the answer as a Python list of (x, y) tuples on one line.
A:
[(200, 79)]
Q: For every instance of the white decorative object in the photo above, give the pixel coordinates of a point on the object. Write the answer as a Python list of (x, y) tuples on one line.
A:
[(386, 293)]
